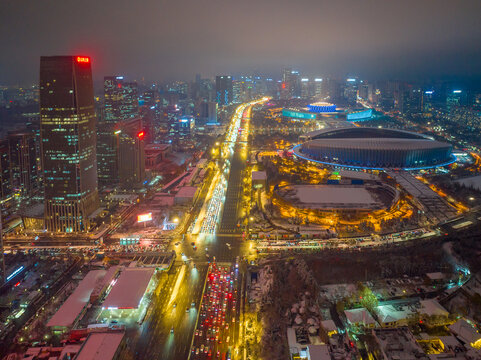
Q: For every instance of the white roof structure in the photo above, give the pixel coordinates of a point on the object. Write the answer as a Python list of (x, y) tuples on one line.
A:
[(105, 280), (69, 350), (124, 197), (359, 316), (393, 313), (73, 306), (259, 175), (435, 276), (398, 344), (465, 332), (432, 307), (357, 175), (129, 289), (330, 196), (329, 325), (449, 341), (318, 352), (186, 192), (474, 181), (100, 346)]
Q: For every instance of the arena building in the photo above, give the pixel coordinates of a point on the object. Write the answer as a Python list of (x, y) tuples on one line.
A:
[(311, 112), (323, 110), (321, 107), (373, 148)]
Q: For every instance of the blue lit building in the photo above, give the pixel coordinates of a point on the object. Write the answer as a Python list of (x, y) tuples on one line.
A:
[(373, 148), (297, 114), (224, 93), (321, 107), (185, 127), (361, 115)]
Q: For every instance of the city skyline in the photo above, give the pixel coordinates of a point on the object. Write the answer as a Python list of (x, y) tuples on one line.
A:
[(176, 40), (240, 180)]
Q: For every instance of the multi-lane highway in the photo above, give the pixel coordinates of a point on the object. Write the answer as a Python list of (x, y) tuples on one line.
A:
[(186, 297), (166, 332), (233, 199), (217, 332)]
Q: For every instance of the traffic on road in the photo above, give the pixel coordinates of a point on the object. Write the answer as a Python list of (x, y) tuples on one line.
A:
[(215, 334)]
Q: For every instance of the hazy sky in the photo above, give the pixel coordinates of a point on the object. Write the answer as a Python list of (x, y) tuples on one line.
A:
[(168, 39)]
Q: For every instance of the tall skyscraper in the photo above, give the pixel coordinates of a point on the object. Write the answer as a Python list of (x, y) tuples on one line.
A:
[(23, 162), (306, 88), (318, 87), (223, 90), (130, 143), (121, 102), (121, 99), (68, 142), (351, 86), (5, 184), (207, 112), (456, 98), (411, 100)]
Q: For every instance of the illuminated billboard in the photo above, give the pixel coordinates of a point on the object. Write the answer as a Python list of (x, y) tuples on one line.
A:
[(144, 217), (360, 115), (298, 115)]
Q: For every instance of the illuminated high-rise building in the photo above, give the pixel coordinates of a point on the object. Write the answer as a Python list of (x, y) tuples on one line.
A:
[(207, 112), (121, 102), (306, 88), (5, 183), (130, 137), (224, 90), (23, 162), (121, 99), (185, 127), (350, 90), (363, 91), (68, 142), (318, 87), (456, 98)]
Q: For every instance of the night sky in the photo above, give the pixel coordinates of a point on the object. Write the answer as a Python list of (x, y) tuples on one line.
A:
[(175, 39)]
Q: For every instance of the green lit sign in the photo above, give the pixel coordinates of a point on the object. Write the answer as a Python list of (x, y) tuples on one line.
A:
[(298, 114)]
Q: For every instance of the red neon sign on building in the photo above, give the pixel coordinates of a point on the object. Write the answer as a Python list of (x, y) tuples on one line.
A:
[(83, 59), (141, 135)]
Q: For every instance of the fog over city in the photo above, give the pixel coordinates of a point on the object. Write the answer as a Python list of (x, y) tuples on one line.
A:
[(165, 40)]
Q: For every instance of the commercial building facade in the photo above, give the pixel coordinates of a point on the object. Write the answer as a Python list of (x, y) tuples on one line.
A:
[(23, 163), (68, 142), (131, 155), (121, 102), (224, 90)]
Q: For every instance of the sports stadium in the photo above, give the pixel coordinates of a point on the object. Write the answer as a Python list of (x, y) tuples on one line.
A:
[(323, 110), (373, 148)]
